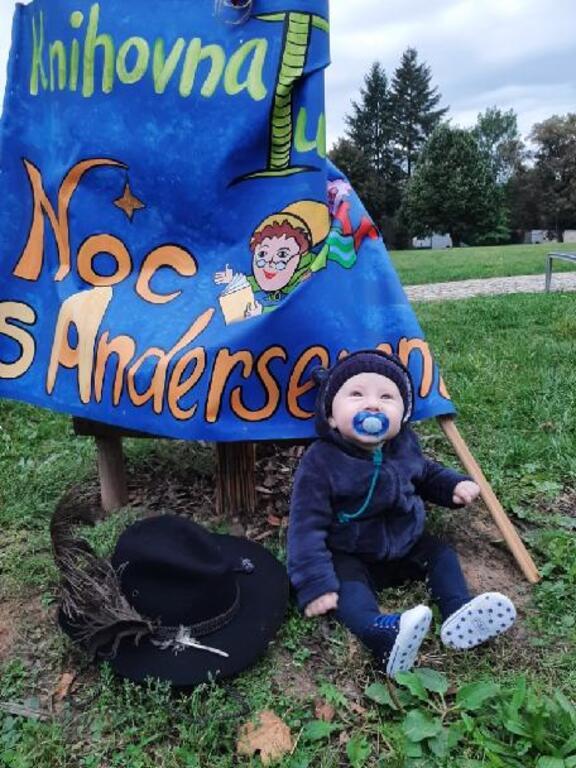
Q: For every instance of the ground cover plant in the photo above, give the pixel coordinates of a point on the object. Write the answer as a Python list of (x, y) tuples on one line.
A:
[(509, 364), (437, 266)]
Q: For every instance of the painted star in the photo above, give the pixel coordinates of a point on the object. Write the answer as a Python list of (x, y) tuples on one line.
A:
[(128, 203)]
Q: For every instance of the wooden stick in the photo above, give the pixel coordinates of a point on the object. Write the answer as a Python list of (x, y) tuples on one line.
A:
[(510, 534), (113, 484), (236, 482)]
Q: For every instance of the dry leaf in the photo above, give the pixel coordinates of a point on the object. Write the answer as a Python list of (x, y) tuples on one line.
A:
[(323, 711), (63, 687), (357, 708), (274, 520), (269, 736)]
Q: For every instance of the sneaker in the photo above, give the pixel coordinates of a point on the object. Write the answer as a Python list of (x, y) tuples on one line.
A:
[(397, 638), (482, 618)]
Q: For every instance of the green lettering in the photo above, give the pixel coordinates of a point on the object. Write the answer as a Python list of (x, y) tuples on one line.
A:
[(38, 73), (74, 65), (162, 67), (126, 76), (253, 82), (194, 55), (76, 19), (93, 40), (301, 142), (57, 54)]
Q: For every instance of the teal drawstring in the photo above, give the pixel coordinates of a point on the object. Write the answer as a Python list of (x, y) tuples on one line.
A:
[(344, 517)]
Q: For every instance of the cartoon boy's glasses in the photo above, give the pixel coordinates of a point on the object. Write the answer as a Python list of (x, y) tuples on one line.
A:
[(278, 264)]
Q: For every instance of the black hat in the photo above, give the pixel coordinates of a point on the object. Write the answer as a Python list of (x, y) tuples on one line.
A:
[(208, 605), (366, 361)]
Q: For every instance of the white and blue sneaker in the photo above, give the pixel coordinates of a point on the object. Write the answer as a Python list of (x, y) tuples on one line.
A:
[(479, 620), (396, 638)]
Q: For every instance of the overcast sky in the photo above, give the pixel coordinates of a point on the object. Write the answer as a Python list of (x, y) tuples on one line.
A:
[(518, 54)]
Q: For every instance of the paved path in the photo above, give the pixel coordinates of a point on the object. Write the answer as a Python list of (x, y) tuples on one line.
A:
[(465, 289)]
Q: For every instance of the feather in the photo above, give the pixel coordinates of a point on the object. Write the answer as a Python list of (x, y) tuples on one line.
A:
[(91, 594)]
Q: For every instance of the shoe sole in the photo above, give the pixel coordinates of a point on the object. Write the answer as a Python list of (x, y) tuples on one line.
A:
[(414, 625), (484, 617)]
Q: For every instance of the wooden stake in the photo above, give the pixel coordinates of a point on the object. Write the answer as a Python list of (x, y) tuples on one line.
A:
[(113, 485), (235, 481), (510, 534)]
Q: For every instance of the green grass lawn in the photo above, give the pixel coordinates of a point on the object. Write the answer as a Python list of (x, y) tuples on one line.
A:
[(438, 266), (509, 364)]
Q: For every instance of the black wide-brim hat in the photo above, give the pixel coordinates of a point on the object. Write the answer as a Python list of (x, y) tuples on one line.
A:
[(259, 608)]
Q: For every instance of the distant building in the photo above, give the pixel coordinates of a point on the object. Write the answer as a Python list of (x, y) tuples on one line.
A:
[(434, 241), (570, 235), (535, 236)]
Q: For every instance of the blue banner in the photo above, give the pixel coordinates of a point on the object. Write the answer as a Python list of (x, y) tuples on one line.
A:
[(176, 253)]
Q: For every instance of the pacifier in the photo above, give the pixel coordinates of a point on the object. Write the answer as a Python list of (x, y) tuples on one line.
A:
[(370, 423)]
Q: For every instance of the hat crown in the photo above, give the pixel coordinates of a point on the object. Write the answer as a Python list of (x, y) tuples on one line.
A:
[(173, 572)]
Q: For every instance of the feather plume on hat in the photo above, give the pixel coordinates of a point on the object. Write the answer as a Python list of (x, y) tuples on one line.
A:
[(91, 597)]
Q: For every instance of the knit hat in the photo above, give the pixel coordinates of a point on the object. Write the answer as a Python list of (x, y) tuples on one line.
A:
[(366, 361)]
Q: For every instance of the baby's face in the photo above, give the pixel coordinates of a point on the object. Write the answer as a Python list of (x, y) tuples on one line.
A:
[(368, 410)]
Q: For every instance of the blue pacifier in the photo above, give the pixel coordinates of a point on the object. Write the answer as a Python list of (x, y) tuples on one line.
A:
[(370, 423)]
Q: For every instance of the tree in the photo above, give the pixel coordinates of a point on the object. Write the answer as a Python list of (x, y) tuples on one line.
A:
[(555, 155), (371, 125), (499, 141), (414, 113), (523, 197), (452, 189)]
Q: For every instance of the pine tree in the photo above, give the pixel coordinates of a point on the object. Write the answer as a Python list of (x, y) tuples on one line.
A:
[(371, 131), (413, 103), (371, 125)]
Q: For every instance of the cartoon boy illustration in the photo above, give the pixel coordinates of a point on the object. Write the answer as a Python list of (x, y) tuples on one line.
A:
[(282, 257)]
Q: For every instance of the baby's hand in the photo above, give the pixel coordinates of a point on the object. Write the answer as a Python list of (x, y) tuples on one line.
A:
[(465, 492), (322, 604)]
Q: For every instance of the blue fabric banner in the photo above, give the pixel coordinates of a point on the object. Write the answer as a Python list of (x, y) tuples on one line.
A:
[(176, 254)]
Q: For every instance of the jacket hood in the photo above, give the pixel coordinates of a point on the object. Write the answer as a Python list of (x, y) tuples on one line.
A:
[(330, 435)]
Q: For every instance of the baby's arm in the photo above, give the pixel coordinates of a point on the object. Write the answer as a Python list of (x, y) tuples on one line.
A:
[(444, 486), (309, 560)]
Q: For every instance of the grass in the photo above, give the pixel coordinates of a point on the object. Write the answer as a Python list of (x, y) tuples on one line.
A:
[(509, 363), (426, 266)]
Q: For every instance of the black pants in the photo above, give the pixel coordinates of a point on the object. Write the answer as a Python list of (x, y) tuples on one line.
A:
[(430, 560)]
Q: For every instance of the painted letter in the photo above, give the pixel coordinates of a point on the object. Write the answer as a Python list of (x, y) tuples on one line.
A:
[(253, 82), (38, 72), (31, 260), (93, 40), (178, 259), (15, 310), (84, 311)]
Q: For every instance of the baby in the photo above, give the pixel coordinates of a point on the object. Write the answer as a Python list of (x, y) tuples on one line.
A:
[(357, 519)]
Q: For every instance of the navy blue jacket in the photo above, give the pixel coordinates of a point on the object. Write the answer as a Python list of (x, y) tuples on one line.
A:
[(335, 477)]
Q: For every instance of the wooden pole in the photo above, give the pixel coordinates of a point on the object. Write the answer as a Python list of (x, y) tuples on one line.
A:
[(112, 473), (235, 480), (510, 534)]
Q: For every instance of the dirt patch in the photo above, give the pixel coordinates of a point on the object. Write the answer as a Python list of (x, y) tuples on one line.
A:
[(487, 563), (564, 505), (16, 619)]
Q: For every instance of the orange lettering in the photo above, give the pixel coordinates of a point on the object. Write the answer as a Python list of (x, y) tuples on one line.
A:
[(31, 260), (270, 385), (124, 347), (223, 367), (405, 349), (295, 386), (103, 244), (178, 259)]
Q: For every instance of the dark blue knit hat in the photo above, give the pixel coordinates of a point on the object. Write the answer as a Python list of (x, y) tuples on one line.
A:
[(367, 361)]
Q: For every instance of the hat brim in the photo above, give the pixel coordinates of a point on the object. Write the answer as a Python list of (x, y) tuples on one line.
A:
[(263, 602)]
